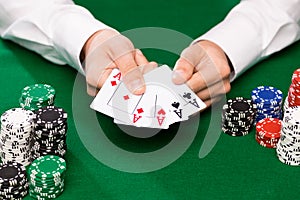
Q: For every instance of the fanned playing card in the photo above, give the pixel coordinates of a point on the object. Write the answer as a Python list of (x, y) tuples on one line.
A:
[(163, 103)]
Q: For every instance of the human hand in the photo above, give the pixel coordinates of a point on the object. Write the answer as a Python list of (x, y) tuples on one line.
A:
[(108, 49), (203, 66)]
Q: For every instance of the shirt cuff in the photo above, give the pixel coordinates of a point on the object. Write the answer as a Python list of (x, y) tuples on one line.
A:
[(72, 31), (239, 40)]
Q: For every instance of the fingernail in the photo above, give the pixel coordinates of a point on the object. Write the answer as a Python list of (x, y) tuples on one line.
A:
[(136, 86), (178, 76), (139, 52)]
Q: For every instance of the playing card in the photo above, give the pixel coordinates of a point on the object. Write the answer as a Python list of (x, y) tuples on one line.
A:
[(116, 101), (102, 101), (162, 104), (187, 102), (147, 110)]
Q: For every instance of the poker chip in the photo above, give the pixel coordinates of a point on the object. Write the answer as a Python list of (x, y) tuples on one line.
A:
[(49, 136), (268, 101), (288, 148), (237, 116), (46, 177), (37, 96), (13, 181), (293, 98), (15, 136), (268, 132)]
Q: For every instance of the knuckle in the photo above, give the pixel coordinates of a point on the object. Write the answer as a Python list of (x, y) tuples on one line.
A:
[(227, 86), (89, 80)]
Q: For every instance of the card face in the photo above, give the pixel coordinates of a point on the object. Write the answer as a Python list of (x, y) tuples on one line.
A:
[(101, 101), (191, 102), (123, 100), (171, 103), (162, 104), (146, 112)]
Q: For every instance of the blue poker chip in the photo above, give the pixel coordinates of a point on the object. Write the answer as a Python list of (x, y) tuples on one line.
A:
[(268, 112), (266, 95), (260, 117), (268, 106), (275, 115)]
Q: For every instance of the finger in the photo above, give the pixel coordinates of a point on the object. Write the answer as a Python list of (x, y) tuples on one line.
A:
[(220, 88), (209, 102), (92, 91), (143, 63), (96, 75), (184, 67), (149, 67), (132, 75), (103, 77), (207, 77), (140, 59), (182, 72)]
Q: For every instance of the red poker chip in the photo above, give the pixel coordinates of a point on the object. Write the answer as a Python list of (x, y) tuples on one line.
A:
[(296, 80), (293, 94), (294, 89), (267, 140), (296, 74), (262, 143), (292, 97), (295, 102), (269, 128)]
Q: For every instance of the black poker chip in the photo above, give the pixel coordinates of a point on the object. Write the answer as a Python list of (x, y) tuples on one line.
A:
[(13, 181), (238, 116), (50, 116), (240, 106), (49, 137)]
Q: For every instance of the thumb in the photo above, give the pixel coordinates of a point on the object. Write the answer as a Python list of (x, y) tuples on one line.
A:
[(183, 71), (132, 75)]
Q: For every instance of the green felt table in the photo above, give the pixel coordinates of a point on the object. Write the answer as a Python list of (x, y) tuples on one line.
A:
[(106, 162)]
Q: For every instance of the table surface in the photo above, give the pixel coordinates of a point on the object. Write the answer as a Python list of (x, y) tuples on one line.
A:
[(167, 165)]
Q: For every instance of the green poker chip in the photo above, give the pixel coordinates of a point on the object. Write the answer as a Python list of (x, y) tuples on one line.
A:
[(45, 195), (47, 189), (38, 92), (48, 166), (36, 96), (46, 177)]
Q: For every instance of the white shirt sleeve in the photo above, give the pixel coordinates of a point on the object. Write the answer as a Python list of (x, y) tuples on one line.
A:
[(255, 29), (55, 29)]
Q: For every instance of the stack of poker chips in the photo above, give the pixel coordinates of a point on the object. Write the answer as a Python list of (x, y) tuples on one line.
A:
[(49, 136), (15, 137), (294, 90), (293, 98), (288, 147), (13, 181), (37, 96), (268, 101), (268, 132), (46, 177), (238, 116)]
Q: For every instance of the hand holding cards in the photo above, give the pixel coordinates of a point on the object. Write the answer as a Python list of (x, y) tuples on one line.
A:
[(163, 103)]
